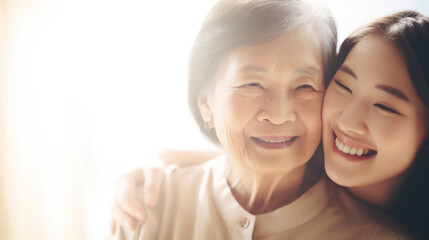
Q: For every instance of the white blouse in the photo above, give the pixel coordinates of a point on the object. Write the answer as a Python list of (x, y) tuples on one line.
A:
[(197, 203)]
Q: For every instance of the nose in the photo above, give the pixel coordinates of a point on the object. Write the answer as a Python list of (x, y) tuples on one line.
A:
[(277, 109), (352, 118)]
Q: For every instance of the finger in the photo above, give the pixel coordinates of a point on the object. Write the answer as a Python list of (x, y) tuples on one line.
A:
[(132, 207), (112, 226), (126, 195), (152, 187), (128, 182), (122, 218), (137, 175)]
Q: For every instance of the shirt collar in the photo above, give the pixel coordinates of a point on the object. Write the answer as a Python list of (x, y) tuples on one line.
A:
[(303, 209)]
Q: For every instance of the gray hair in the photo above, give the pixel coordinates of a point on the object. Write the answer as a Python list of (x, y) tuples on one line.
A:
[(233, 23)]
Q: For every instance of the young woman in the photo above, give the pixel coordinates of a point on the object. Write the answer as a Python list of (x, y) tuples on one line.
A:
[(375, 115)]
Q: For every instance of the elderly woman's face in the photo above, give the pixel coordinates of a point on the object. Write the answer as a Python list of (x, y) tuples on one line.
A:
[(266, 103)]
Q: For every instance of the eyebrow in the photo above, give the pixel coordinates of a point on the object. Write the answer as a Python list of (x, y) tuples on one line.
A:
[(348, 70), (394, 91), (307, 70), (252, 68)]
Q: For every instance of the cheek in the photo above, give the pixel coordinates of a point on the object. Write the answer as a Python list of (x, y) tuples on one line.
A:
[(398, 132), (240, 110), (331, 106), (230, 122), (228, 130), (398, 143), (311, 115), (232, 115)]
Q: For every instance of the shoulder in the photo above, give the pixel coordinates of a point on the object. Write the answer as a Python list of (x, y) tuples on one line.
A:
[(194, 174), (185, 183), (374, 223), (178, 205)]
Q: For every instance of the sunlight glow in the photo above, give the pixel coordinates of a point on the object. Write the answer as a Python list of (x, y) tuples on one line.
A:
[(98, 88)]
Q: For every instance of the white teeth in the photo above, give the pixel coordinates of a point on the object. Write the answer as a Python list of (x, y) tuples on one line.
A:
[(274, 141), (350, 150), (346, 149), (359, 152)]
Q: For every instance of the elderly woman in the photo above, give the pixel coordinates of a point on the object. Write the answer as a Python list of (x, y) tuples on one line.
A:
[(257, 77)]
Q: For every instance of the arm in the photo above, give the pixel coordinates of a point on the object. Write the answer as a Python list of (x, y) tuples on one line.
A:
[(187, 158), (126, 210)]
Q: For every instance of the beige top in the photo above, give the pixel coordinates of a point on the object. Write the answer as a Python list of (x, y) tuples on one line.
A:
[(197, 203)]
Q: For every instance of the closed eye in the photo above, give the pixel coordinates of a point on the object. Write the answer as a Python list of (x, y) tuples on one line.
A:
[(254, 85), (341, 85), (304, 86), (307, 92), (386, 108), (307, 88)]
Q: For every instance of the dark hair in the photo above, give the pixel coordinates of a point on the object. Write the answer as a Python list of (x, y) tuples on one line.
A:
[(409, 32), (233, 23)]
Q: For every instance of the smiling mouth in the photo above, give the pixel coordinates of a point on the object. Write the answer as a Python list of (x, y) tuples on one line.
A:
[(353, 151), (274, 141)]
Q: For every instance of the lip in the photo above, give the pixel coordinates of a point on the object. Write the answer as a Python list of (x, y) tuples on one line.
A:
[(353, 143), (350, 141), (288, 141)]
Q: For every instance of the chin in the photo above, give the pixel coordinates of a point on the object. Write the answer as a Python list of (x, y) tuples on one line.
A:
[(276, 166), (340, 177)]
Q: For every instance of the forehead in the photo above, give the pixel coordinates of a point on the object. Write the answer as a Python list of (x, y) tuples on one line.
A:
[(294, 48), (376, 60), (378, 55)]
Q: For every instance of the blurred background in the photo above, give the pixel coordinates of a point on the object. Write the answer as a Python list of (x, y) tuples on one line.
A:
[(90, 89)]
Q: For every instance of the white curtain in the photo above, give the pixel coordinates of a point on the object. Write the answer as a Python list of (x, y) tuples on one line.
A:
[(42, 151), (90, 89)]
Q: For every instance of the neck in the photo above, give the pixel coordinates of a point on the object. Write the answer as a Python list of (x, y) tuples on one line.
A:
[(260, 193), (381, 194)]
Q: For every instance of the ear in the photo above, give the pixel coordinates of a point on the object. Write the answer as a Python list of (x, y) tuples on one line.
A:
[(205, 111)]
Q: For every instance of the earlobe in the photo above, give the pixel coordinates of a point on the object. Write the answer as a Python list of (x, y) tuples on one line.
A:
[(205, 111)]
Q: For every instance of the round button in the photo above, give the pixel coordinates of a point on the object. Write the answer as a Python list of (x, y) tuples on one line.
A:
[(244, 223)]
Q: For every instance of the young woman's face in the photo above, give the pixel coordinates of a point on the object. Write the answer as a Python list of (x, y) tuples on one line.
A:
[(374, 121), (267, 102)]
